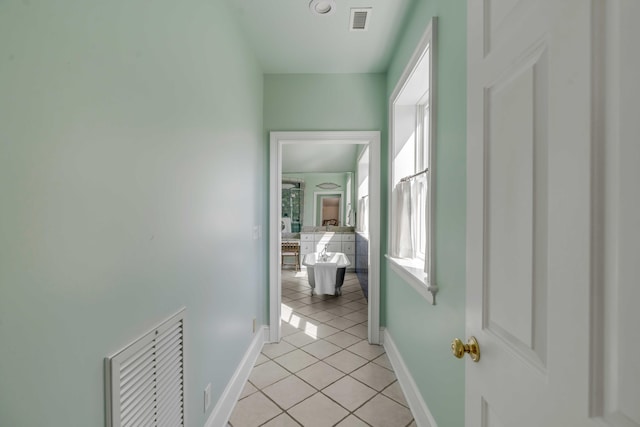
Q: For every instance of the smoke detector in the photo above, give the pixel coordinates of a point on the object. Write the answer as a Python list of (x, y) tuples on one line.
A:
[(322, 7), (359, 20)]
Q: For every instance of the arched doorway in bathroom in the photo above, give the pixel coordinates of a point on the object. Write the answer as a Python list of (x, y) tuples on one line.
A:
[(278, 142)]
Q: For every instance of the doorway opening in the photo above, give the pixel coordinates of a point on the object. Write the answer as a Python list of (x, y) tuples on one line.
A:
[(280, 140)]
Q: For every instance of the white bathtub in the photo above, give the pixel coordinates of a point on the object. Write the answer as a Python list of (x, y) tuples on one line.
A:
[(340, 259)]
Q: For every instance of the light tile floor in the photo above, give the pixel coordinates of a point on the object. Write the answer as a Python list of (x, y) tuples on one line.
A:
[(324, 372)]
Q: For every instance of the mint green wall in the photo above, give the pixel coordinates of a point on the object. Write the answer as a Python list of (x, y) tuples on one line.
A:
[(310, 182), (132, 169), (309, 102), (326, 102), (422, 332)]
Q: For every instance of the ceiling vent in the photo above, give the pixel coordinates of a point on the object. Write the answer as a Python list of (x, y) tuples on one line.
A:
[(360, 19)]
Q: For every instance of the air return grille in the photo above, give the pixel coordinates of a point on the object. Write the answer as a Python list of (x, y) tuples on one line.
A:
[(360, 19), (145, 381)]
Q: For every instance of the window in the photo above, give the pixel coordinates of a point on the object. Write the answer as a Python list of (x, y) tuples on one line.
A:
[(362, 223), (412, 169)]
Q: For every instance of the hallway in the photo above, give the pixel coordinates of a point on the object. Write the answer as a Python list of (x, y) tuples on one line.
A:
[(323, 372)]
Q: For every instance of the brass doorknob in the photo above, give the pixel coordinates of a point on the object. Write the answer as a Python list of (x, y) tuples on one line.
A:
[(458, 348)]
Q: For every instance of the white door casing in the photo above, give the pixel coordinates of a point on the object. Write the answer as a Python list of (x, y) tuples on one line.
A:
[(553, 236), (277, 140)]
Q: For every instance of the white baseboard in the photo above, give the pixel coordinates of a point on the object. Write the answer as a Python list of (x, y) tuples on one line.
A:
[(223, 409), (421, 412)]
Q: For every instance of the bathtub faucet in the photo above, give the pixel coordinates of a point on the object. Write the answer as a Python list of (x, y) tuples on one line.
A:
[(323, 254)]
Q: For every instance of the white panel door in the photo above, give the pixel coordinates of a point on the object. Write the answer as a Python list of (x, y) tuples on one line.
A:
[(553, 213)]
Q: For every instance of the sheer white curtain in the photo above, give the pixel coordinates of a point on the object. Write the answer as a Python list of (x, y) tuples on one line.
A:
[(362, 215), (409, 200), (421, 217), (402, 244)]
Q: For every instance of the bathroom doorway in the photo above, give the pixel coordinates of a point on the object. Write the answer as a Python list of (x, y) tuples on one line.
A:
[(346, 207)]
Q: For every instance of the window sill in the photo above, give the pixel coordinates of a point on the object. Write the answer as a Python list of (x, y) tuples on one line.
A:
[(415, 276)]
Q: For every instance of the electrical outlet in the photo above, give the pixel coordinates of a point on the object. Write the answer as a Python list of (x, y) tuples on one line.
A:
[(207, 397)]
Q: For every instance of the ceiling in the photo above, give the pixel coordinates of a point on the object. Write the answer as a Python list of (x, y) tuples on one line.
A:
[(288, 38), (309, 158)]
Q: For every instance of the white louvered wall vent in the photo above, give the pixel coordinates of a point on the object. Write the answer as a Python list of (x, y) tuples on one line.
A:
[(145, 381), (359, 20)]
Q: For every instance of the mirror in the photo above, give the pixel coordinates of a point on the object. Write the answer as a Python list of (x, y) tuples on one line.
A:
[(329, 168), (328, 208)]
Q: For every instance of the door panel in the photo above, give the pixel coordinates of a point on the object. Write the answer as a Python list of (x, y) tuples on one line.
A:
[(553, 213), (500, 18), (497, 12), (515, 208), (529, 154), (489, 418)]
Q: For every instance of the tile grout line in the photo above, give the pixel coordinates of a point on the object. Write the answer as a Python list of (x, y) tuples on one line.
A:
[(368, 359)]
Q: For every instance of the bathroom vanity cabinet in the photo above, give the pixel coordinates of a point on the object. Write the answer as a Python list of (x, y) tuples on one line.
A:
[(335, 241)]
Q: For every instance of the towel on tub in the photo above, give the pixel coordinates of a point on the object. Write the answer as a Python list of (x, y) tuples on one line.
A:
[(325, 276)]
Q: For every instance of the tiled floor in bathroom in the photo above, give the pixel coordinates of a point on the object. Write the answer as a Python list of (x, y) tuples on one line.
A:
[(323, 372)]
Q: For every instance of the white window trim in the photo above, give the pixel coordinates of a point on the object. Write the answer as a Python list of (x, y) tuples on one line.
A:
[(415, 276), (359, 197), (426, 286)]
